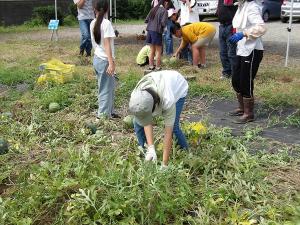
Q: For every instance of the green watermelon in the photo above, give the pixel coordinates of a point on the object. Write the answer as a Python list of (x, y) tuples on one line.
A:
[(7, 114), (3, 146), (128, 121), (92, 127), (173, 60), (165, 61), (54, 107)]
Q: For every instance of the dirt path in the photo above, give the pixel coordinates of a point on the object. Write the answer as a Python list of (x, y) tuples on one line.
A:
[(274, 40)]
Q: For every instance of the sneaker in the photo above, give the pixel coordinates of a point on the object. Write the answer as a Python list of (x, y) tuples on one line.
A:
[(151, 68), (225, 76), (158, 69), (115, 116), (150, 155), (202, 66)]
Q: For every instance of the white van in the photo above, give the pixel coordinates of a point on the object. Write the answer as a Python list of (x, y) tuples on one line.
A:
[(206, 8), (286, 10)]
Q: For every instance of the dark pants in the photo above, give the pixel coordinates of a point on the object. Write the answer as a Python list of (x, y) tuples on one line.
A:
[(145, 63), (245, 70), (186, 54), (227, 49), (85, 42)]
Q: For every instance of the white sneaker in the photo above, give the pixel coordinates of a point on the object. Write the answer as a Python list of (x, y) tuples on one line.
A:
[(150, 155)]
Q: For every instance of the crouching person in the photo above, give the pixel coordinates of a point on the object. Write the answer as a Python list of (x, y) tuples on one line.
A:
[(159, 93)]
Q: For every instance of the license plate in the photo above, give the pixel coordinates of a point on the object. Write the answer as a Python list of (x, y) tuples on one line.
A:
[(204, 4)]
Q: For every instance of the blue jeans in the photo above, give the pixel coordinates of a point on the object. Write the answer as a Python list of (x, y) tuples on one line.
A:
[(186, 54), (181, 140), (168, 38), (106, 88), (85, 42), (227, 49)]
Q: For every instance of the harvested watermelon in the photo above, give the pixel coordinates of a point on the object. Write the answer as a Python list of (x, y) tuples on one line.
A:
[(128, 121), (3, 146), (92, 127), (54, 107)]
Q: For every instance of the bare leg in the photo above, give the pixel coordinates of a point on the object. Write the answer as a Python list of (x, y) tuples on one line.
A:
[(167, 144), (151, 58), (202, 55), (158, 49), (195, 52)]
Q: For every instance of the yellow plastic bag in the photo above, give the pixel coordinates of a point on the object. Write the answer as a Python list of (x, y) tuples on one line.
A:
[(56, 71)]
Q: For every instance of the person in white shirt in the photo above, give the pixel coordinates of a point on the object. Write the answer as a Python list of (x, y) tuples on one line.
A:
[(249, 27), (188, 12), (103, 42), (159, 93), (85, 17)]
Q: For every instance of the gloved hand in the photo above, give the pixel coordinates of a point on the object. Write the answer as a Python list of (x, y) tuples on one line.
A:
[(151, 154), (236, 37)]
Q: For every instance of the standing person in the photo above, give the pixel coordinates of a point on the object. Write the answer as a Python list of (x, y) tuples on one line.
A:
[(199, 36), (168, 38), (156, 21), (85, 17), (188, 12), (225, 12), (103, 42), (159, 93), (249, 27)]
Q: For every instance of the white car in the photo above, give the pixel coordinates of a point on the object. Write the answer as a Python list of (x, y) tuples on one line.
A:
[(286, 9), (207, 8)]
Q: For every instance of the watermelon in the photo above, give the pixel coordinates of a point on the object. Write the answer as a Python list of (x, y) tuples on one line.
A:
[(173, 60), (7, 114), (128, 121), (165, 61), (3, 146), (54, 107), (92, 127)]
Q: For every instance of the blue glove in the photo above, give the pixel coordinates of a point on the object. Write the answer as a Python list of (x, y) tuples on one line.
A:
[(236, 37)]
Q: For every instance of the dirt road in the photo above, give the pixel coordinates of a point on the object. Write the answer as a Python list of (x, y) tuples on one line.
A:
[(274, 40)]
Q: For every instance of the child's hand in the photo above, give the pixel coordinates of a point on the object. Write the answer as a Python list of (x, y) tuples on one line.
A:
[(111, 69)]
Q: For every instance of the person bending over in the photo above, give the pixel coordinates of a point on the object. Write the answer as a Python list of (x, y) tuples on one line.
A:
[(159, 93)]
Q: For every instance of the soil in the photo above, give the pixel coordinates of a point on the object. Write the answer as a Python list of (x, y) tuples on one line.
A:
[(216, 111)]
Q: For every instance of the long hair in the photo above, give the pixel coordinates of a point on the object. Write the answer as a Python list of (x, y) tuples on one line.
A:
[(154, 9), (101, 7)]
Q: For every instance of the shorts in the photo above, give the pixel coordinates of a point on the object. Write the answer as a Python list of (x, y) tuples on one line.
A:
[(154, 38), (204, 41)]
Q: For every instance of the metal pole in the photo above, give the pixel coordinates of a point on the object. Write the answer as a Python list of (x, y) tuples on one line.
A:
[(289, 29), (55, 9), (110, 10), (115, 4)]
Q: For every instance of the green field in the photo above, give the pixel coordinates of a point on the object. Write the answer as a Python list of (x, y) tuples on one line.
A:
[(58, 172)]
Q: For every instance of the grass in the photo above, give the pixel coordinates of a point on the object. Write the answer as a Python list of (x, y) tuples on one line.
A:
[(57, 172)]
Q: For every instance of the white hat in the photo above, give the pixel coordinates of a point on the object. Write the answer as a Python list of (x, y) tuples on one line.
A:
[(140, 105), (171, 12)]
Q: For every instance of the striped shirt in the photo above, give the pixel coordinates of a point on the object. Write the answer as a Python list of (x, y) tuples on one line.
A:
[(87, 11)]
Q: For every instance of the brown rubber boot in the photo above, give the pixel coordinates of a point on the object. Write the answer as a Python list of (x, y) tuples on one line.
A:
[(240, 110), (248, 115)]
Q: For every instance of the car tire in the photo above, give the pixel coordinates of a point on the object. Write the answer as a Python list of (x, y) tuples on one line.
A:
[(284, 19), (201, 18), (266, 16)]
